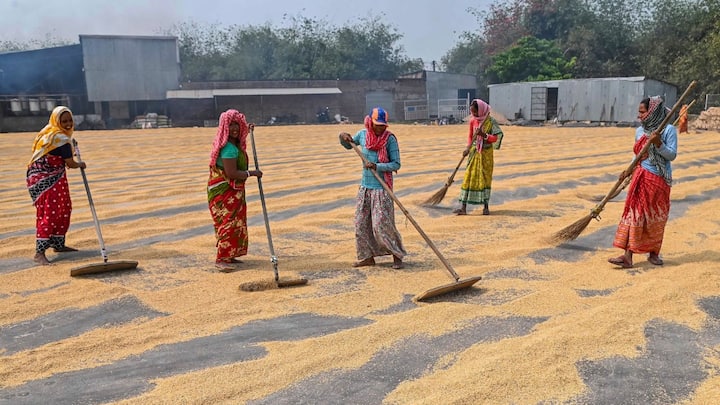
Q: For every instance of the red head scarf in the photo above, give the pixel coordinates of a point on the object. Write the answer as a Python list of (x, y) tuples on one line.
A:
[(378, 144), (223, 132)]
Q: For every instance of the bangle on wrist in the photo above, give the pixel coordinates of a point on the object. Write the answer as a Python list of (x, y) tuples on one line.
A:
[(247, 174)]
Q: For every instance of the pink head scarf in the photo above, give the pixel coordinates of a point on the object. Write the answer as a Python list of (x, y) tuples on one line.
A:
[(223, 132), (483, 110), (477, 120)]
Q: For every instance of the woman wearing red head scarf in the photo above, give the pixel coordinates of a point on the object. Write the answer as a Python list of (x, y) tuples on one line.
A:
[(647, 205), (48, 185), (375, 230), (226, 188), (484, 136)]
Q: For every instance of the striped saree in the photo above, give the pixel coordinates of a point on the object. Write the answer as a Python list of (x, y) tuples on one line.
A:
[(647, 209)]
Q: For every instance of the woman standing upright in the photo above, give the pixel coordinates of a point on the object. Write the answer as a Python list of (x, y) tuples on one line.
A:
[(226, 188), (484, 136), (375, 230), (47, 183), (647, 205)]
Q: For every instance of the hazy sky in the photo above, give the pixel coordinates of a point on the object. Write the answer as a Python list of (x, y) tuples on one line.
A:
[(429, 27)]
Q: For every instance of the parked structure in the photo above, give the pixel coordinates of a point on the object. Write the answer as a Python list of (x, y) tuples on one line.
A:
[(599, 100), (445, 96), (133, 81), (107, 79)]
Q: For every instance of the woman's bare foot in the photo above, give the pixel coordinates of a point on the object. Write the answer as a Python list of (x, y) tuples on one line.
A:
[(459, 211), (486, 210), (41, 259), (397, 263), (65, 249), (366, 262)]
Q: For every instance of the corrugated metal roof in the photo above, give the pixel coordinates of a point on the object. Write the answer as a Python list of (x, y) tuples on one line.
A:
[(252, 92), (591, 79)]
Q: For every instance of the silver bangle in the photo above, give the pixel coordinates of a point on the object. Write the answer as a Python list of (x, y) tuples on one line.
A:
[(247, 172)]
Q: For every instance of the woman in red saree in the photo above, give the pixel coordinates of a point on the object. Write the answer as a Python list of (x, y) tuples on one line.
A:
[(226, 188), (647, 206), (47, 183)]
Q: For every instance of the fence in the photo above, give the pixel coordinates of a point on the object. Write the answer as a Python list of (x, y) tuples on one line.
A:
[(712, 100), (416, 110), (453, 109)]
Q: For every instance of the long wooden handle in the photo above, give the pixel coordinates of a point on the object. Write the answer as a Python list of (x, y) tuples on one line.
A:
[(452, 176), (409, 217), (678, 118), (98, 232), (273, 258), (596, 211)]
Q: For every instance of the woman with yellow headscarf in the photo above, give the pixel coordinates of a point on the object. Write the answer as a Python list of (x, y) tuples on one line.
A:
[(47, 183)]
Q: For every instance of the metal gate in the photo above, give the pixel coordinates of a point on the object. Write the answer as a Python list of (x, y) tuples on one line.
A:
[(538, 103), (416, 110), (453, 109)]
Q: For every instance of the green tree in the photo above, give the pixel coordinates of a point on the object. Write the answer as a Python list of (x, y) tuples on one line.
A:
[(530, 59), (304, 48), (681, 43)]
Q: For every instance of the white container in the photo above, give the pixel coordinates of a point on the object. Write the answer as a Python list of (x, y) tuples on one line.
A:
[(50, 104), (34, 105), (16, 106)]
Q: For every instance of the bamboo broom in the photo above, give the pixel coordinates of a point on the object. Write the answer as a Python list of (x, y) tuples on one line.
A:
[(436, 198), (574, 230)]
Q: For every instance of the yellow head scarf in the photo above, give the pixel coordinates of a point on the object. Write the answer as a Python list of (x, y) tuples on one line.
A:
[(52, 136)]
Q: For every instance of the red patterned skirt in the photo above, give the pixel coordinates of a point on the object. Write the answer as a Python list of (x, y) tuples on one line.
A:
[(229, 212), (50, 193), (647, 209)]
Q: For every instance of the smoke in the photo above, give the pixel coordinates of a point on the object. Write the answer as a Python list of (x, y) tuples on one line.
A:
[(23, 21)]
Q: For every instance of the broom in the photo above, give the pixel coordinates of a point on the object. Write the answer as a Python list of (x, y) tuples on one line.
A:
[(436, 198), (574, 230)]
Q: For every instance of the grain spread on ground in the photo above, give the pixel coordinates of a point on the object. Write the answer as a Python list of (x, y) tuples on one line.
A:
[(546, 324)]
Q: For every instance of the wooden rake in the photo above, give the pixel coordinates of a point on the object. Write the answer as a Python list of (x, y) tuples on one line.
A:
[(443, 289)]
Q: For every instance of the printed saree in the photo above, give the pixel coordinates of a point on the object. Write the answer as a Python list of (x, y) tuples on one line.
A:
[(48, 187), (226, 200)]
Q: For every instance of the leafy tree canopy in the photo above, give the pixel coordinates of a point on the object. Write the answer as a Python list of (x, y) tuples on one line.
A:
[(531, 59)]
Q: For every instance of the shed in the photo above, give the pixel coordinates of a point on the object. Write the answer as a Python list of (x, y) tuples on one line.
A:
[(446, 95), (603, 100)]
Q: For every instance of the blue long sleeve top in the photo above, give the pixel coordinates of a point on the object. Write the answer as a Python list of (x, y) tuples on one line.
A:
[(368, 180), (667, 149)]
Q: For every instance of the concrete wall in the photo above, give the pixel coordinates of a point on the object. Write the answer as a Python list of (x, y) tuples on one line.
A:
[(23, 124), (350, 103)]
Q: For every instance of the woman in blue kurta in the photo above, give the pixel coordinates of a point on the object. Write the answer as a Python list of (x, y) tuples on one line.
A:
[(375, 230)]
